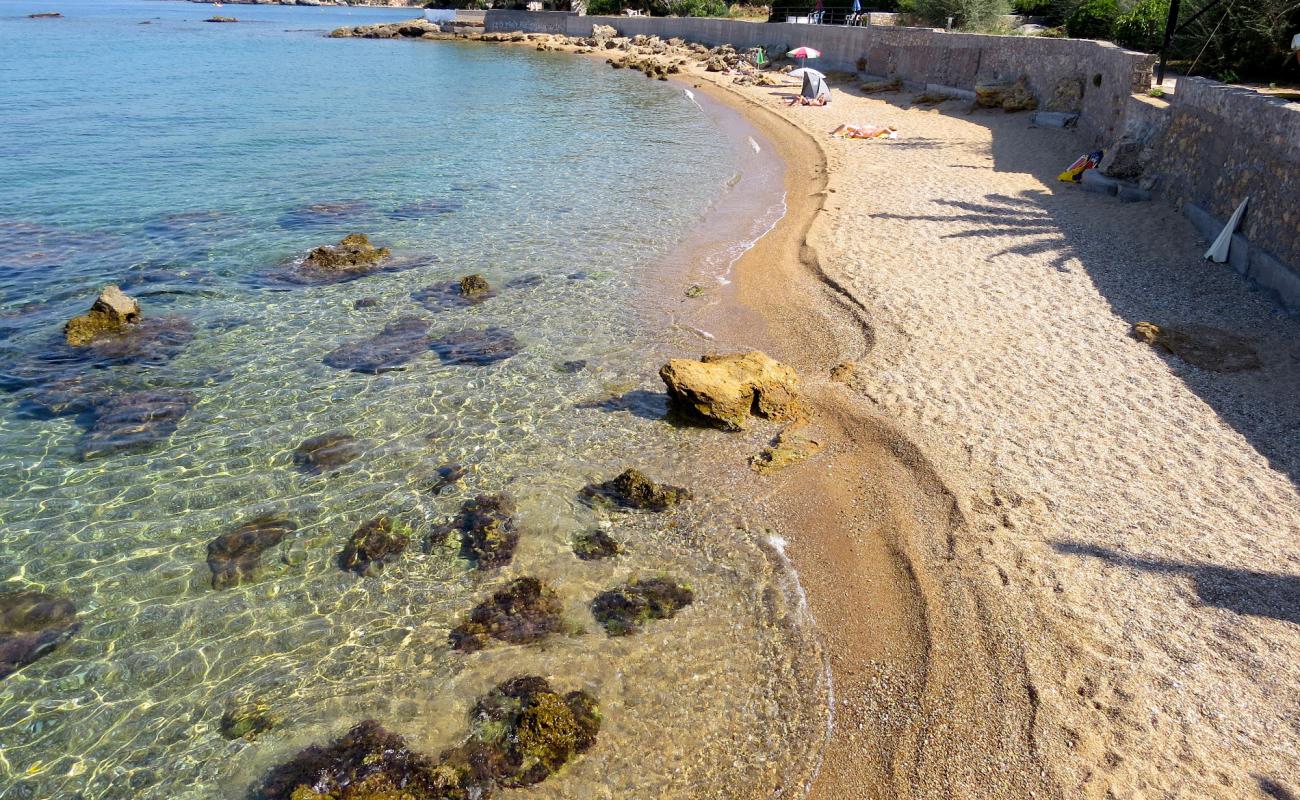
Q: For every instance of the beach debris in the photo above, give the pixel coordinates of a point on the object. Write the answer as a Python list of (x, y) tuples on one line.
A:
[(1201, 346), (474, 286), (354, 253), (442, 478), (695, 290), (727, 389), (595, 545), (376, 543), (31, 625), (632, 489), (886, 85), (791, 446), (1218, 252), (486, 528), (525, 610), (327, 452), (1007, 96), (233, 556), (520, 733), (476, 347), (111, 313), (248, 721), (1085, 162), (399, 342), (628, 608), (134, 421), (219, 18)]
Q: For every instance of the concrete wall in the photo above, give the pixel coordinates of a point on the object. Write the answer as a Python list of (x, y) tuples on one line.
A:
[(1104, 74)]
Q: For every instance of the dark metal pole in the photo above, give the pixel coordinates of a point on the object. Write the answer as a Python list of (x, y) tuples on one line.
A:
[(1170, 27)]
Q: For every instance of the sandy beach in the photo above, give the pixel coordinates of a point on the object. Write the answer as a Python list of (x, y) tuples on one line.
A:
[(1048, 559)]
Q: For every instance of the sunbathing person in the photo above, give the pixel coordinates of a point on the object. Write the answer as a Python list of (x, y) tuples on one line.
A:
[(859, 131)]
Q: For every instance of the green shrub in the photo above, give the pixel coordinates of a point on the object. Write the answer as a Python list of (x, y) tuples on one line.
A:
[(697, 8), (1143, 26), (604, 8), (1094, 19)]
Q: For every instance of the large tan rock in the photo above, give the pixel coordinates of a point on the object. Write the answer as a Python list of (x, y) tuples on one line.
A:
[(112, 311), (728, 389), (1006, 96)]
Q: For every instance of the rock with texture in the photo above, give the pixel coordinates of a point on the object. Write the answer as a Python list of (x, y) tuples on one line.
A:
[(111, 313), (233, 556), (486, 528), (632, 489), (628, 608), (791, 446), (479, 348), (31, 625), (376, 543), (728, 389), (526, 610), (1201, 346), (399, 342), (595, 545), (1006, 96), (134, 421), (327, 452)]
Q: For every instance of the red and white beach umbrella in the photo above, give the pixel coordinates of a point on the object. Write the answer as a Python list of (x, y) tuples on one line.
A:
[(804, 52)]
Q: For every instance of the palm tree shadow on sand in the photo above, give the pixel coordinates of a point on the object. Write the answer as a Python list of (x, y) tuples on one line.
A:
[(1247, 592)]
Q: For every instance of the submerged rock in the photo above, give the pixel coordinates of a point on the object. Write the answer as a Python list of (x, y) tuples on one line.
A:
[(321, 215), (366, 763), (632, 489), (354, 253), (327, 452), (67, 397), (366, 303), (248, 721), (111, 313), (595, 545), (628, 608), (791, 446), (134, 421), (572, 367), (31, 625), (421, 209), (477, 347), (376, 543), (443, 477), (520, 733), (526, 610), (474, 286), (398, 343), (727, 389), (1201, 346), (233, 556), (486, 528)]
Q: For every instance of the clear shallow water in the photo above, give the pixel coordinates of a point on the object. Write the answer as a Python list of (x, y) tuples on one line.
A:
[(184, 159)]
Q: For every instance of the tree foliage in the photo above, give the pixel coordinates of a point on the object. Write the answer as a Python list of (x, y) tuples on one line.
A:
[(966, 14)]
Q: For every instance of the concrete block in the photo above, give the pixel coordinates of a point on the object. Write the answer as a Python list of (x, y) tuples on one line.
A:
[(1094, 181), (1239, 254), (1128, 193), (1205, 223), (1055, 119), (1273, 274)]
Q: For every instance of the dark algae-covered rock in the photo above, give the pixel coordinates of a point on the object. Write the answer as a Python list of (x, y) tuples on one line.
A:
[(366, 763), (525, 610), (31, 625), (398, 343), (247, 721), (632, 489), (234, 555), (595, 545), (327, 452), (353, 253), (134, 421), (486, 528), (626, 609), (476, 347), (376, 543), (474, 286), (325, 215), (521, 732)]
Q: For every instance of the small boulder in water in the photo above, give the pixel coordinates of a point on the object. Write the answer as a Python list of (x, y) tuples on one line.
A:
[(474, 286), (398, 343), (234, 555), (632, 489), (380, 541), (247, 721), (628, 608), (366, 762), (111, 313), (525, 610), (366, 303), (31, 625), (477, 347), (134, 421), (220, 18), (728, 389), (327, 452), (486, 528), (442, 478), (595, 545), (353, 254)]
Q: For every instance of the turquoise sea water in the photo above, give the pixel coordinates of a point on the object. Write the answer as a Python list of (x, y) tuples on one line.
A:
[(191, 163)]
